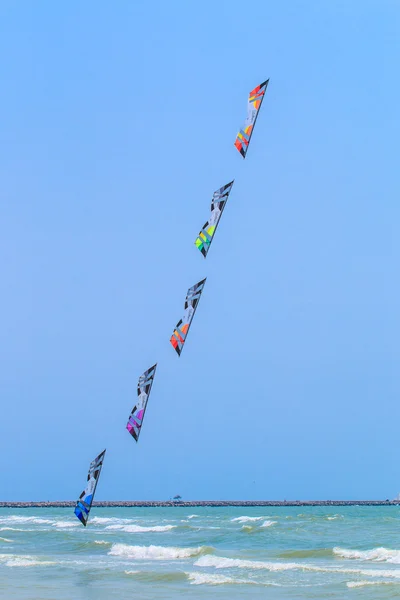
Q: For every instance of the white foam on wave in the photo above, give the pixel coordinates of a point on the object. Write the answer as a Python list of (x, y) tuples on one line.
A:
[(102, 542), (246, 519), (66, 524), (357, 584), (375, 554), (131, 572), (268, 523), (24, 562), (18, 519), (13, 560), (220, 562), (211, 579), (5, 540), (155, 552), (109, 520), (140, 529), (192, 516)]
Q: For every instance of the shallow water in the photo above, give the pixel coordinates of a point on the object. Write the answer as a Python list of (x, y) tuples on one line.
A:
[(159, 553)]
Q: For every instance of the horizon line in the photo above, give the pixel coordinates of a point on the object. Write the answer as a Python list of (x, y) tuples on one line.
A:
[(193, 503)]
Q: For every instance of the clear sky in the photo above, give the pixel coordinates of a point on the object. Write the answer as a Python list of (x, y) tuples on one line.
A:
[(117, 124)]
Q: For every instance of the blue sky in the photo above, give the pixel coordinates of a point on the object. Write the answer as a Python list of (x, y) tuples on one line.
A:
[(118, 123)]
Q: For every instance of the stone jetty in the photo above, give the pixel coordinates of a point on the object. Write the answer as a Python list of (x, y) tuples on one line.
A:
[(198, 503)]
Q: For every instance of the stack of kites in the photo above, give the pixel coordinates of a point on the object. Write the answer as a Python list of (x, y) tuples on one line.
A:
[(180, 333)]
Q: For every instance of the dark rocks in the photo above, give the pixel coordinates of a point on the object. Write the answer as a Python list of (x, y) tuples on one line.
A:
[(207, 503)]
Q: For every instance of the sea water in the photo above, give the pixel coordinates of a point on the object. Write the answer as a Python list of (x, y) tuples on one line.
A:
[(228, 553)]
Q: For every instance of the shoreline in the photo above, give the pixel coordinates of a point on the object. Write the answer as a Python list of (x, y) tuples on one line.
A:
[(200, 503)]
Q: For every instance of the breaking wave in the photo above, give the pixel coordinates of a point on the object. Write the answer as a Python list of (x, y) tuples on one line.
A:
[(12, 560), (157, 552), (220, 562), (254, 528), (66, 524), (102, 543), (375, 555), (5, 540), (268, 523), (18, 519), (153, 576), (140, 529), (357, 584), (210, 579), (109, 520), (246, 519)]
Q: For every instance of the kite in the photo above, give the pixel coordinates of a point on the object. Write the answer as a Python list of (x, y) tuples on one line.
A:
[(84, 504), (178, 338), (134, 425), (254, 102), (218, 202)]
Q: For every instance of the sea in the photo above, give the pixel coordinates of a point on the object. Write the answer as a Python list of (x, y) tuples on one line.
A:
[(177, 552)]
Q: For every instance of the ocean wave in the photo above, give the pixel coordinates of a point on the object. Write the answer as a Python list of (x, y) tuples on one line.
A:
[(268, 523), (254, 528), (157, 552), (25, 562), (313, 553), (13, 529), (211, 579), (246, 519), (192, 516), (140, 529), (131, 572), (220, 562), (13, 560), (153, 576), (375, 555), (18, 519), (109, 520), (66, 524), (102, 543), (357, 584), (5, 540)]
